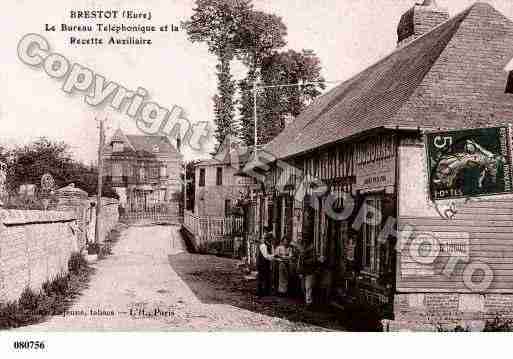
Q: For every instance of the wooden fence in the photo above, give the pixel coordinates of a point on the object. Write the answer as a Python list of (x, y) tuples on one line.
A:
[(215, 234)]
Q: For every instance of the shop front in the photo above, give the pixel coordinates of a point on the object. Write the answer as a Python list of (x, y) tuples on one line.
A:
[(338, 206)]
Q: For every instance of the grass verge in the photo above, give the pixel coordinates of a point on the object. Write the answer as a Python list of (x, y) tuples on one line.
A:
[(54, 297)]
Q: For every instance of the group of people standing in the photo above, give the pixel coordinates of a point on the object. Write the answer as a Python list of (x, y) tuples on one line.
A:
[(289, 268)]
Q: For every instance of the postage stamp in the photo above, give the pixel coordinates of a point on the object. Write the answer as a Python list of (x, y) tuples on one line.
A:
[(248, 165)]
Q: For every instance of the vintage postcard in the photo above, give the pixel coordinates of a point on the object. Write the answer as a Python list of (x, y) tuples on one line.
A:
[(253, 165)]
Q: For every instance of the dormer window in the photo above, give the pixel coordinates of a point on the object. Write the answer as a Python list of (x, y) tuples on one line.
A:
[(117, 147), (156, 148)]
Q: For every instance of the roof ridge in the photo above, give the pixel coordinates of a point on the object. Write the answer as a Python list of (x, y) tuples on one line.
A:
[(455, 18), (375, 96), (353, 78), (146, 135), (487, 5)]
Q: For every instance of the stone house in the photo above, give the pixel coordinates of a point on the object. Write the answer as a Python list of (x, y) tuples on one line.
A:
[(218, 185), (363, 146), (144, 171)]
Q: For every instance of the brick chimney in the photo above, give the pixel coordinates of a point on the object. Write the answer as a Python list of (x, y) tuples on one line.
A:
[(419, 20)]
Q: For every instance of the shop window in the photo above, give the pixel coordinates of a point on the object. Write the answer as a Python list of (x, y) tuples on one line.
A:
[(278, 220), (201, 181), (219, 176), (371, 230), (308, 221), (269, 215)]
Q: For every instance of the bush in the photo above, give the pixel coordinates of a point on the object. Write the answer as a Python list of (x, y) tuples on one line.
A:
[(498, 325), (59, 286), (76, 263), (11, 316), (458, 329), (29, 299), (55, 296), (93, 248)]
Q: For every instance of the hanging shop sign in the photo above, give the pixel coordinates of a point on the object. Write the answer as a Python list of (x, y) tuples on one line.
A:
[(375, 164), (469, 163)]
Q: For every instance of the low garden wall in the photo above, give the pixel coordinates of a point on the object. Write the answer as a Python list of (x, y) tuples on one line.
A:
[(34, 246)]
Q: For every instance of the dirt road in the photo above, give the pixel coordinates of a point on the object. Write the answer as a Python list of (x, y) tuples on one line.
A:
[(152, 283)]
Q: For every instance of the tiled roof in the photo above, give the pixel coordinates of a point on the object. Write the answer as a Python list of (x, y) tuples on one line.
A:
[(149, 143), (143, 144), (239, 155), (452, 77)]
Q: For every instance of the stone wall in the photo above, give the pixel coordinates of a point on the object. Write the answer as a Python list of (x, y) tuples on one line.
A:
[(34, 246)]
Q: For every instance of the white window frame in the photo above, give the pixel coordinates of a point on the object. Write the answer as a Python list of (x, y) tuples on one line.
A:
[(163, 171), (117, 169), (118, 146)]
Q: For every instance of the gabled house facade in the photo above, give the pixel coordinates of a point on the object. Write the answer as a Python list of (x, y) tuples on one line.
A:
[(144, 171), (218, 186), (352, 170)]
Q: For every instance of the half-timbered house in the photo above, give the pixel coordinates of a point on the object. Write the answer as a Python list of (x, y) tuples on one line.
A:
[(352, 168)]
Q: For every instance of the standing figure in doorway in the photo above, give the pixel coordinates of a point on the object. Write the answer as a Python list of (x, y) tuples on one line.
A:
[(283, 252), (307, 267), (264, 259)]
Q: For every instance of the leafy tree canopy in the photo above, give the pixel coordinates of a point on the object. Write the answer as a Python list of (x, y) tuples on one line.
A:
[(27, 164)]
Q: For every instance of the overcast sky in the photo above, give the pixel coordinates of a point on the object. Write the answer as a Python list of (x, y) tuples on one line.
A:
[(347, 35)]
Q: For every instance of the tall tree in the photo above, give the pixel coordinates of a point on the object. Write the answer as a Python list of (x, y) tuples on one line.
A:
[(279, 105), (217, 23), (260, 35)]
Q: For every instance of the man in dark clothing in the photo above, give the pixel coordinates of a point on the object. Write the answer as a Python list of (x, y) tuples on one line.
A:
[(264, 259)]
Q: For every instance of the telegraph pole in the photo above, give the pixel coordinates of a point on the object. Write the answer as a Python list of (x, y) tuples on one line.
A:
[(100, 183)]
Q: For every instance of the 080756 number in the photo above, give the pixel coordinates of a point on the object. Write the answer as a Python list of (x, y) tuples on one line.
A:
[(29, 345)]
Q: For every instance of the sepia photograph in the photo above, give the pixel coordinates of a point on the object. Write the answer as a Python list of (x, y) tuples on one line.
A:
[(180, 167)]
